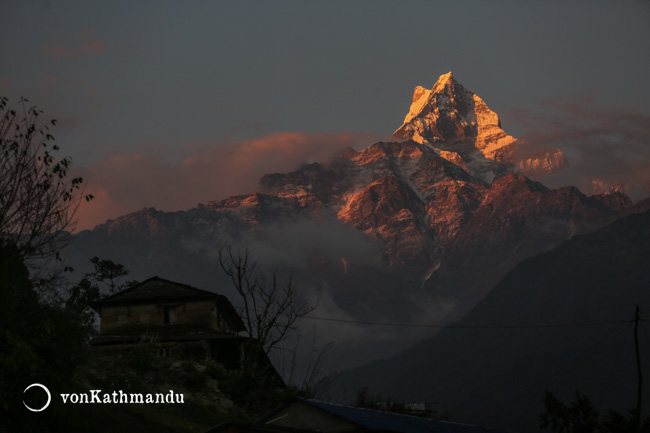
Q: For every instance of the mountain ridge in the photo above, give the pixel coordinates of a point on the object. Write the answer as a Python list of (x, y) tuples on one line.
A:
[(449, 114), (398, 229), (519, 340)]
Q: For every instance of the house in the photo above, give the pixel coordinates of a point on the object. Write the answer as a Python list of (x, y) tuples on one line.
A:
[(304, 415), (182, 320)]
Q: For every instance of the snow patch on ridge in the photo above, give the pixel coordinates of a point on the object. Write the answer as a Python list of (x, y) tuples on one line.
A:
[(456, 120)]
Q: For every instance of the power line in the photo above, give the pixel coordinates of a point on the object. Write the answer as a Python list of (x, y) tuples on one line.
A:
[(415, 325)]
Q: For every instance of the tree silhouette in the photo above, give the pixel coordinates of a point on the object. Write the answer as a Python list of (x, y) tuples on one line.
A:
[(270, 307), (38, 201), (580, 416)]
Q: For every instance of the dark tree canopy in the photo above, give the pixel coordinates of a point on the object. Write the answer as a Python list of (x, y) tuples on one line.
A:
[(38, 200), (580, 416), (39, 342), (110, 274)]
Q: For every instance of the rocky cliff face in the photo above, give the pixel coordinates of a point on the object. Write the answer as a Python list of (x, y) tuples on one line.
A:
[(431, 219), (432, 215), (448, 113), (451, 117), (440, 216)]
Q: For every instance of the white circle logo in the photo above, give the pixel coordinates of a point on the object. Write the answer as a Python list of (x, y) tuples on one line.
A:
[(49, 397)]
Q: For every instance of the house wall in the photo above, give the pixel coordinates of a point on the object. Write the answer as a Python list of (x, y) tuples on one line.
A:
[(195, 350), (144, 317)]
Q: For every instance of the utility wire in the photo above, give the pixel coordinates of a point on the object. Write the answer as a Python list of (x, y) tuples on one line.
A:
[(415, 325), (451, 326)]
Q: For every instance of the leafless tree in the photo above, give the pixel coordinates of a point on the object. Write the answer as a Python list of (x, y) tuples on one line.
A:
[(313, 380), (37, 199), (270, 307)]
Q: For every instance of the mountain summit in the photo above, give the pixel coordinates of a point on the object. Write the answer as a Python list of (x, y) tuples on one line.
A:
[(421, 228), (453, 118), (449, 112)]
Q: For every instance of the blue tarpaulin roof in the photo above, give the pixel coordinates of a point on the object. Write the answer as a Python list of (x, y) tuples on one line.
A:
[(374, 420)]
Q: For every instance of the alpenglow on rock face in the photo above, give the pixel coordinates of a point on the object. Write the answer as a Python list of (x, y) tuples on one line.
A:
[(456, 120), (427, 223)]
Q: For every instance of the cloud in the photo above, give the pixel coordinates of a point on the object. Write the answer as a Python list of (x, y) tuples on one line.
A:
[(96, 47), (605, 148), (6, 84), (62, 52), (77, 46), (316, 242), (125, 183)]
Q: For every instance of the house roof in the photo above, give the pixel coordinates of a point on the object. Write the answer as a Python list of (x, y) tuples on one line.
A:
[(379, 421), (160, 291), (232, 427), (111, 339)]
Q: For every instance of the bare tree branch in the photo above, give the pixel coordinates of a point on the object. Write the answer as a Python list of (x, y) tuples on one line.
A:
[(270, 309), (37, 200)]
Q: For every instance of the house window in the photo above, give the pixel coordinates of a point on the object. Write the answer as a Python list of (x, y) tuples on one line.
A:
[(169, 316)]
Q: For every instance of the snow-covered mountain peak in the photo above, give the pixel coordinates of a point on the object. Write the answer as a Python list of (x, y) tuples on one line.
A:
[(448, 112), (443, 81), (452, 118)]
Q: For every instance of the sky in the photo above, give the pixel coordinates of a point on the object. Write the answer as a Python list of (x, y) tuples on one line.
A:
[(168, 104)]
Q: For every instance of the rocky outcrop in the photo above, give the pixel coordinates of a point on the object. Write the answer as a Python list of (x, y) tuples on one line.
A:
[(449, 113), (429, 214), (447, 204)]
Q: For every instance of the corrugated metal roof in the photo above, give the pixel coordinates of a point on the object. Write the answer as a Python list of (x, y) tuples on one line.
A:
[(379, 421), (232, 427), (159, 290)]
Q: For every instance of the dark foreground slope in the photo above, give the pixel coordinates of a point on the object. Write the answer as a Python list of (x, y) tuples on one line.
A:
[(491, 368)]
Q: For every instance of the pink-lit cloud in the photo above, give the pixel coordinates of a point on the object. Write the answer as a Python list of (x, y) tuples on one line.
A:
[(6, 84), (62, 52), (126, 183), (77, 46), (605, 147), (96, 47)]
